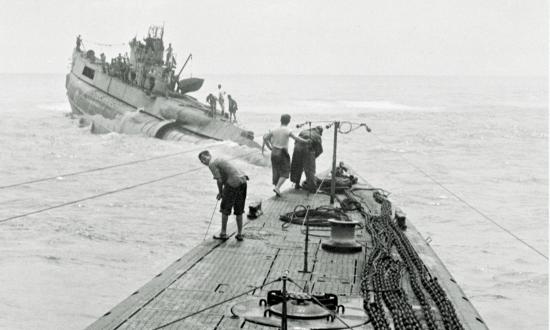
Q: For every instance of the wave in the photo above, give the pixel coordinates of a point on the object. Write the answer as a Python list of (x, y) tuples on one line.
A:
[(489, 296), (57, 106), (382, 148), (362, 104), (385, 105), (232, 150)]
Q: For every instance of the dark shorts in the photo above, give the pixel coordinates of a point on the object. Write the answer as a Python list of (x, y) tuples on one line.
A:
[(233, 198), (280, 162)]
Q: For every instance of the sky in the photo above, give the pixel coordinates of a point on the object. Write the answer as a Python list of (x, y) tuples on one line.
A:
[(355, 37)]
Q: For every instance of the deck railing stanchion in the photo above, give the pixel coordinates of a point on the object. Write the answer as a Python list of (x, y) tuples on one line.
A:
[(284, 312), (333, 175)]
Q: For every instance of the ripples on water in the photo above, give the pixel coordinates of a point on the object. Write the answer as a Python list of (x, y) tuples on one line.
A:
[(484, 139)]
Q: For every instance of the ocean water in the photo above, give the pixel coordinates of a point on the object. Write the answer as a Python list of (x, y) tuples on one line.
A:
[(443, 146)]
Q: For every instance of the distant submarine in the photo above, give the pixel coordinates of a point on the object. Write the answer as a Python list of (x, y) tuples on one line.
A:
[(141, 94)]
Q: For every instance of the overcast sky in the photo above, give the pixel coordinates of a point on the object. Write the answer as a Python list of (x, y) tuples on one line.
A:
[(382, 37)]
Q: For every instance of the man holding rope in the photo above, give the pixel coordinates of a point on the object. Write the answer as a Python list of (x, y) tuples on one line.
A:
[(231, 190), (277, 141), (303, 158)]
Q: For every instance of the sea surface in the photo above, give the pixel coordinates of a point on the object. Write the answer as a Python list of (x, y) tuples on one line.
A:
[(465, 157)]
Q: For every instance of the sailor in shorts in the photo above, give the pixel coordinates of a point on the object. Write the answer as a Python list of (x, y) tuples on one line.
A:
[(231, 190)]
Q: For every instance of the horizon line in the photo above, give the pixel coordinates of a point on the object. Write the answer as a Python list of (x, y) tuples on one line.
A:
[(330, 74)]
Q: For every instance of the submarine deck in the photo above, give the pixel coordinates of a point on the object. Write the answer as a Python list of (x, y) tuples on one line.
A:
[(216, 271)]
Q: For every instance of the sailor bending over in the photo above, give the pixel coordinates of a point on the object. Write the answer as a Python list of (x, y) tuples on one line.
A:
[(303, 158), (231, 190)]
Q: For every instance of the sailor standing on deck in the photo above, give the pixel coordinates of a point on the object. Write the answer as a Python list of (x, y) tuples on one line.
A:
[(232, 106), (169, 56), (78, 43), (303, 158), (211, 99), (231, 190), (103, 62), (221, 100), (277, 141)]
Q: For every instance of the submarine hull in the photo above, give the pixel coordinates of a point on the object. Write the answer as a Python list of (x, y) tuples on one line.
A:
[(188, 293), (112, 105)]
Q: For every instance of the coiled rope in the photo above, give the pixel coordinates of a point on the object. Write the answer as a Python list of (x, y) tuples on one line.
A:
[(317, 217), (308, 207)]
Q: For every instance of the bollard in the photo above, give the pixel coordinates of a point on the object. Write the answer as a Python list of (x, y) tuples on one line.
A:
[(342, 237), (400, 219)]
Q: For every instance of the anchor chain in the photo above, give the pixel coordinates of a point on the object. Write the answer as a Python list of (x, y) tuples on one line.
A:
[(384, 298)]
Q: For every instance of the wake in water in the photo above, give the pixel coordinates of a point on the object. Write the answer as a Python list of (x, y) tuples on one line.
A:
[(250, 155), (56, 106), (363, 105)]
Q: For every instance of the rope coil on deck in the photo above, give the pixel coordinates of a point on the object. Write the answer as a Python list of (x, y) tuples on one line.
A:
[(316, 217)]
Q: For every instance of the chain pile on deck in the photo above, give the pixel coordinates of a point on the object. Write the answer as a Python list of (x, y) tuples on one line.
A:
[(384, 297)]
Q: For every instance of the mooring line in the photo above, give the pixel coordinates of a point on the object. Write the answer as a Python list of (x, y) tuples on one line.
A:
[(211, 217), (467, 203), (112, 191), (311, 200), (107, 167)]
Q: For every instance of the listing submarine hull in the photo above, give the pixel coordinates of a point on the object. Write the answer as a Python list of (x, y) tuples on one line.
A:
[(111, 103)]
